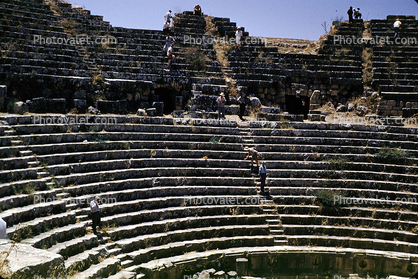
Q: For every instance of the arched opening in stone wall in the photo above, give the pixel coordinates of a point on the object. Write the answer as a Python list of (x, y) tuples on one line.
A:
[(168, 96), (297, 105)]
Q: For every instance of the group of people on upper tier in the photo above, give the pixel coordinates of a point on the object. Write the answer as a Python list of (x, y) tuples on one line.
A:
[(355, 12), (357, 15)]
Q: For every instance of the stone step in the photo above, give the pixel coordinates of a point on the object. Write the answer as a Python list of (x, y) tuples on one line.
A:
[(123, 274), (16, 142), (280, 242), (127, 263), (9, 132), (26, 152), (115, 251), (273, 221), (62, 195), (75, 246), (43, 174), (100, 270), (33, 164), (60, 235)]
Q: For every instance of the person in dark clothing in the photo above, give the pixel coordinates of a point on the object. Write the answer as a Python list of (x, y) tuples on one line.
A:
[(95, 214), (263, 176), (242, 102), (350, 15)]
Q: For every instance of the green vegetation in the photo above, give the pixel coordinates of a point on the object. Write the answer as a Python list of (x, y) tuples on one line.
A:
[(214, 140), (336, 163), (327, 198), (196, 59), (392, 155)]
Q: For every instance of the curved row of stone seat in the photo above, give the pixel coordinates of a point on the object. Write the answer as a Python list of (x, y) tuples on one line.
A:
[(397, 226), (28, 33), (351, 242), (37, 63), (64, 53)]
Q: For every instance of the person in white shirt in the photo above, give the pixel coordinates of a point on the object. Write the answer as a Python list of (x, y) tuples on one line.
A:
[(221, 106), (95, 214), (166, 28), (170, 56), (396, 26), (3, 227), (168, 17), (238, 36)]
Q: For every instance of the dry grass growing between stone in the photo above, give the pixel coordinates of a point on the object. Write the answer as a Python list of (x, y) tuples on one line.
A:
[(210, 27)]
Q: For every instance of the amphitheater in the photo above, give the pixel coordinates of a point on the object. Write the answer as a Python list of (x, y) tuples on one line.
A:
[(176, 197)]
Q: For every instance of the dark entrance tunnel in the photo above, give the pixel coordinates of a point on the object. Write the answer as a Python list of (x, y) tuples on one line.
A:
[(297, 105), (168, 96)]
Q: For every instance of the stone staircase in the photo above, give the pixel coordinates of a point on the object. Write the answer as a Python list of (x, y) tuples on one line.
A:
[(32, 161), (395, 66), (245, 132), (274, 223)]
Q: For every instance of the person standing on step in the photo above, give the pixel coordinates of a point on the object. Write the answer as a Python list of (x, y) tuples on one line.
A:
[(168, 17), (253, 154), (238, 36), (170, 57), (166, 28), (263, 175), (95, 214), (3, 227), (221, 106), (242, 101), (350, 15), (396, 26), (169, 41)]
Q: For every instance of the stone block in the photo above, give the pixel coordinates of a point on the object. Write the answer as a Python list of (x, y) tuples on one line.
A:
[(341, 108), (80, 105), (361, 110), (28, 262), (141, 112), (261, 116), (107, 106), (151, 112), (242, 266), (255, 102), (316, 117), (123, 106), (93, 110), (270, 110), (178, 113), (195, 114), (3, 94), (159, 106), (20, 108), (58, 105), (39, 104), (391, 103)]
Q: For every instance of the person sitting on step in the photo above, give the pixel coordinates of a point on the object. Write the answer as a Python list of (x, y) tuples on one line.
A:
[(197, 10)]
